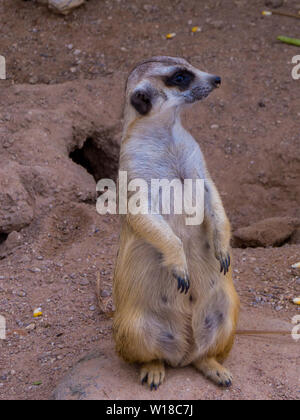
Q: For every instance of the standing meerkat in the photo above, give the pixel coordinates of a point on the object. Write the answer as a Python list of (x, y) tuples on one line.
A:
[(174, 295)]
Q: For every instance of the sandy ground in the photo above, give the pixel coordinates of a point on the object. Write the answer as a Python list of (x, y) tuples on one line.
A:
[(250, 137)]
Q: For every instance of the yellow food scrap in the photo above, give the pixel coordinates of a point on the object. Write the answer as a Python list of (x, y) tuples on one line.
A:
[(195, 29), (297, 301), (171, 35), (297, 265), (37, 312), (266, 13)]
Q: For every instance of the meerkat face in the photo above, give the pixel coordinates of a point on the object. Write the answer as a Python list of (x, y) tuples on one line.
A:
[(165, 82)]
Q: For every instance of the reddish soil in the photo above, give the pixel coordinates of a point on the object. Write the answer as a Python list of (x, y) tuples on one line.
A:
[(69, 72)]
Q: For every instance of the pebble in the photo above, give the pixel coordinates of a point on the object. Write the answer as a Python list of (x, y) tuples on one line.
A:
[(84, 282), (33, 80), (30, 327), (34, 270)]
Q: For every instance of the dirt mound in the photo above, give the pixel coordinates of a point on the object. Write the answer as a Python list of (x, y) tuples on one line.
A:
[(56, 142), (275, 231)]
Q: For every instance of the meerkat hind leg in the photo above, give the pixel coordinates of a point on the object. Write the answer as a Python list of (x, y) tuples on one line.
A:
[(153, 373), (215, 371)]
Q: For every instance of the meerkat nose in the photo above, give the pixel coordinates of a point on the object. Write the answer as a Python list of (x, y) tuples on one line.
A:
[(216, 81)]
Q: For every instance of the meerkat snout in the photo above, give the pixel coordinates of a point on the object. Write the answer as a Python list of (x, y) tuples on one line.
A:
[(217, 81), (158, 84)]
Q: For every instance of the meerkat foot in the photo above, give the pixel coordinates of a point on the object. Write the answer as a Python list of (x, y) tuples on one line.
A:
[(215, 372), (153, 373)]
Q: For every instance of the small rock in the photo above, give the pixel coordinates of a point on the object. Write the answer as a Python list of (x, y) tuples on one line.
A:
[(34, 270), (84, 282), (33, 80), (30, 327), (64, 7), (105, 293)]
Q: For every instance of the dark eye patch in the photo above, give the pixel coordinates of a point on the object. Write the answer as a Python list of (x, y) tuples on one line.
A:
[(182, 78)]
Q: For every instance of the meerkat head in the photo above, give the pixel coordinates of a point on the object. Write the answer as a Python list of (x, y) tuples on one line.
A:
[(162, 83)]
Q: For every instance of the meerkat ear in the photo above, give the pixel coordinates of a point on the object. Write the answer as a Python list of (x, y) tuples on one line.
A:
[(141, 101)]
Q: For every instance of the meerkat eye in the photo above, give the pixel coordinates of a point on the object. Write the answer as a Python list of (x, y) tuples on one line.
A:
[(181, 78)]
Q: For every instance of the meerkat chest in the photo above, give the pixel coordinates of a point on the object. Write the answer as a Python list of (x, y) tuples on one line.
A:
[(169, 155)]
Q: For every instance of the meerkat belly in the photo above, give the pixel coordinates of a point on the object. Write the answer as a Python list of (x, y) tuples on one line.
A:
[(178, 327), (205, 309)]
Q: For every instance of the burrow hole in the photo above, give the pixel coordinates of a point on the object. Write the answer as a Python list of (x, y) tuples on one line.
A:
[(99, 161), (3, 237)]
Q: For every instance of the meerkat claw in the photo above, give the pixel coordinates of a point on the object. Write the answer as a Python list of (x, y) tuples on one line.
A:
[(153, 374), (183, 284), (224, 264), (228, 383), (154, 386), (145, 379)]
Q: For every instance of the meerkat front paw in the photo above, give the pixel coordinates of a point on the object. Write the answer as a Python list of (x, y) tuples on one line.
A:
[(222, 254), (183, 280), (225, 261), (175, 261)]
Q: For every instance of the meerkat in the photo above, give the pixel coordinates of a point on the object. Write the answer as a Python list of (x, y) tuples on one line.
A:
[(175, 299)]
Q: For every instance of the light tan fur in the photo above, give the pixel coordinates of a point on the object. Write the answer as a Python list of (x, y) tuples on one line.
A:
[(154, 323)]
